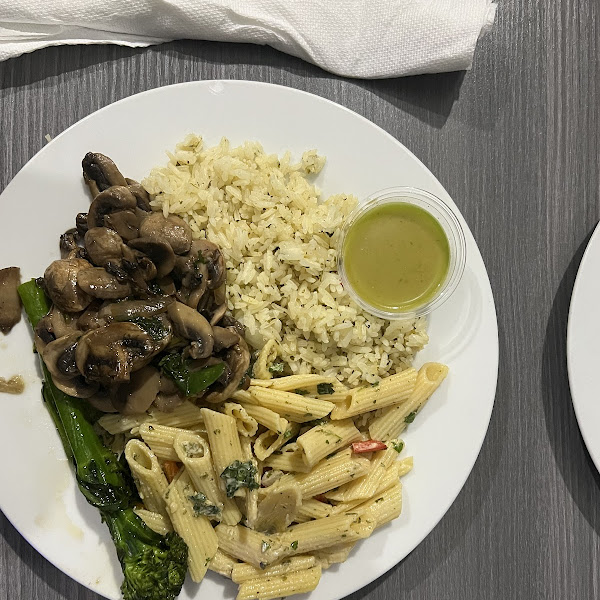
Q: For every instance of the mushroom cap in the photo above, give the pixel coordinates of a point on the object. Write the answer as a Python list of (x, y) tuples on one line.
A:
[(59, 356), (103, 245), (237, 361), (61, 284), (211, 255), (101, 171), (158, 251), (191, 325), (112, 199), (172, 229), (99, 283), (125, 222), (111, 353)]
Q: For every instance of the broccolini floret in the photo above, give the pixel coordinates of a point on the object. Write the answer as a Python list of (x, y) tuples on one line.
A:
[(154, 566)]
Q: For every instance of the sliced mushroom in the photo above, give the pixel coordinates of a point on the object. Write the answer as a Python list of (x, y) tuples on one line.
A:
[(59, 356), (111, 353), (210, 254), (103, 245), (141, 195), (81, 223), (159, 252), (168, 402), (172, 229), (193, 277), (218, 314), (128, 309), (52, 326), (90, 319), (69, 243), (10, 303), (102, 402), (229, 321), (224, 338), (191, 325), (98, 283), (167, 285), (111, 200), (136, 396), (125, 222), (75, 386), (100, 173), (60, 279), (238, 361)]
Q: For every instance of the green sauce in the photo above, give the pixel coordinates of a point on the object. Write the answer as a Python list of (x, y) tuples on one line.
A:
[(396, 256)]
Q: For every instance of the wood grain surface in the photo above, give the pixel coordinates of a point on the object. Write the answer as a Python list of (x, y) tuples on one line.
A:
[(515, 143)]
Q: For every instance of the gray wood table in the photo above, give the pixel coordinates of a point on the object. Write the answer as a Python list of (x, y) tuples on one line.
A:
[(515, 142)]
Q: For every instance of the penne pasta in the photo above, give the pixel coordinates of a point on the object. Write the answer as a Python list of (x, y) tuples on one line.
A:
[(246, 424), (155, 521), (196, 530), (391, 390), (267, 588), (395, 418), (243, 572), (294, 407), (148, 476), (325, 439), (194, 452), (223, 439), (289, 458)]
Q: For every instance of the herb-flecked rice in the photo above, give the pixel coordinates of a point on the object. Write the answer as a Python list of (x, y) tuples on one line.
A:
[(279, 239)]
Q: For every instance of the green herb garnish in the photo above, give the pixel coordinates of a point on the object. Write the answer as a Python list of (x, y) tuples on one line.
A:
[(276, 368), (191, 383), (324, 389), (238, 475), (153, 326), (410, 417), (294, 545), (301, 392), (203, 507), (398, 446)]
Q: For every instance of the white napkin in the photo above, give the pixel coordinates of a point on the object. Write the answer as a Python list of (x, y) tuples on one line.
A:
[(353, 38)]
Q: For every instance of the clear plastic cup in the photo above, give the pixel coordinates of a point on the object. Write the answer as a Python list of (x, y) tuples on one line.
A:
[(444, 215)]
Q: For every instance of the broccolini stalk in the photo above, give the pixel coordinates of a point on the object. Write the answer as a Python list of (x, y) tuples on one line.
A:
[(154, 566)]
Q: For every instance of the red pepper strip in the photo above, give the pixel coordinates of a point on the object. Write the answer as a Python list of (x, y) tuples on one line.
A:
[(170, 468), (368, 446)]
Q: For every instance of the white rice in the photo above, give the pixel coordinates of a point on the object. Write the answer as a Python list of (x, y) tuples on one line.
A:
[(279, 240)]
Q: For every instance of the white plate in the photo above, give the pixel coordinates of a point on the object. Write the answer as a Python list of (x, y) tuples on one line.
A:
[(583, 349), (41, 202)]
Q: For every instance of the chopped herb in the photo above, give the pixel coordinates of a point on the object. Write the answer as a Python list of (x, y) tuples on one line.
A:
[(301, 392), (264, 546), (294, 545), (207, 560), (410, 417), (216, 431), (375, 384), (238, 475), (276, 368), (191, 383), (324, 389), (287, 434), (378, 500), (327, 441), (398, 446), (202, 506), (317, 422), (153, 326)]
